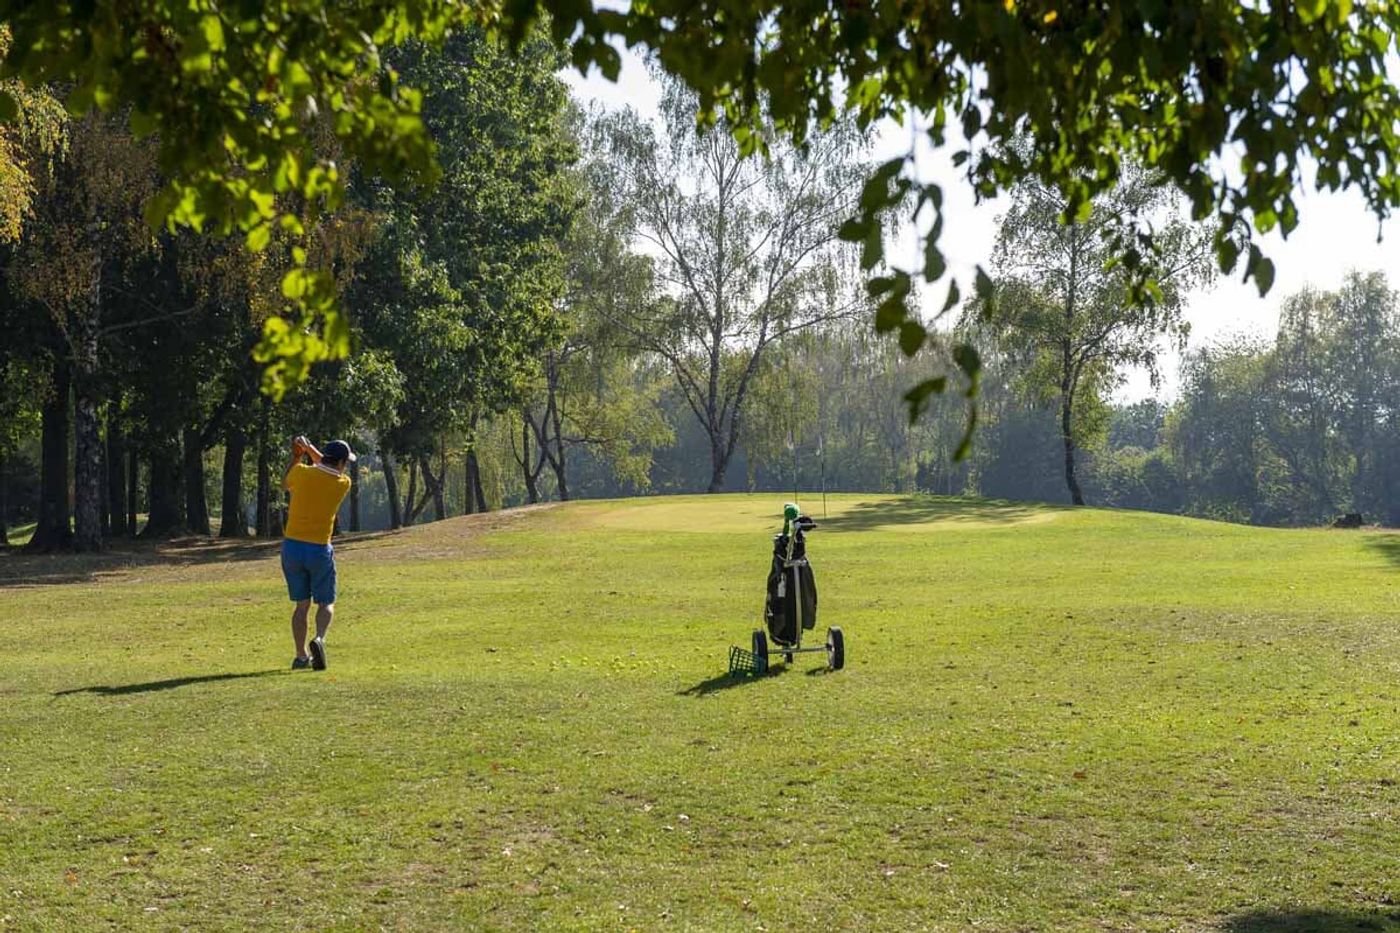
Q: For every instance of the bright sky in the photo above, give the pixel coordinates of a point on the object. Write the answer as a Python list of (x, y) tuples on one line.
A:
[(1335, 234)]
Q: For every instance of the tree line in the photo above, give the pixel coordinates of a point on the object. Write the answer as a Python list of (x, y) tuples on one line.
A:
[(523, 321), (591, 303), (130, 360)]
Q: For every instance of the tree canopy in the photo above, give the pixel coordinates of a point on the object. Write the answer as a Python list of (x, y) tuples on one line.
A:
[(1228, 99)]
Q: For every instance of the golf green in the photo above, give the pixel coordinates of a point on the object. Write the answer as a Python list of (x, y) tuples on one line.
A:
[(1050, 719)]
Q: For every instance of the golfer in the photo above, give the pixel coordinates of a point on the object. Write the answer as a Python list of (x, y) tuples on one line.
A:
[(308, 560)]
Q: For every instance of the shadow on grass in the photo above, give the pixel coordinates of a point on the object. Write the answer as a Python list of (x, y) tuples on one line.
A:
[(1386, 545), (20, 569), (917, 510), (1312, 921), (727, 682), (170, 684)]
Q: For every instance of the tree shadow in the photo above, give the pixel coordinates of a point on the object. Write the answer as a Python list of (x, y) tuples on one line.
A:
[(918, 510), (1386, 545), (1313, 921), (728, 681), (19, 569), (172, 683)]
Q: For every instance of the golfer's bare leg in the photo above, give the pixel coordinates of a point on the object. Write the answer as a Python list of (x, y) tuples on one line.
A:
[(299, 625), (323, 619)]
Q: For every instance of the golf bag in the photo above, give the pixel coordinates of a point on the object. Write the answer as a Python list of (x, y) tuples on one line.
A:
[(791, 605)]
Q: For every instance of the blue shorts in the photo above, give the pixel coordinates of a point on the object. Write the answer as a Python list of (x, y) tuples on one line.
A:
[(310, 571)]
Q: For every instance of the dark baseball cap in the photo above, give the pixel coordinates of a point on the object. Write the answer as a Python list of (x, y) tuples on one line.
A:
[(339, 451)]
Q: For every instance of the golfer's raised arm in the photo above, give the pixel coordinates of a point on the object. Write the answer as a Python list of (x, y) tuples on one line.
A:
[(299, 445)]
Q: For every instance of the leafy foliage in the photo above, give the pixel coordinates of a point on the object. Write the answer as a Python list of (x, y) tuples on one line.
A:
[(1172, 86), (229, 90), (746, 250), (461, 288), (1066, 297)]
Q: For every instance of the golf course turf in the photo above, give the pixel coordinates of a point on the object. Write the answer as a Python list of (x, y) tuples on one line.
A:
[(1050, 719)]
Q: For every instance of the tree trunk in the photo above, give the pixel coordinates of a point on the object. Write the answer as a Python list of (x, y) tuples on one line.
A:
[(106, 484), (414, 509), (52, 532), (434, 485), (557, 458), (391, 485), (1069, 372), (474, 472), (262, 504), (440, 489), (354, 495), (87, 431), (233, 524), (4, 504), (561, 474), (133, 489), (166, 514), (1076, 495), (532, 492), (408, 510), (116, 473), (468, 490), (196, 503), (719, 464)]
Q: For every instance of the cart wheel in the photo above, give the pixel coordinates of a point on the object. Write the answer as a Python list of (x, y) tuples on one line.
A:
[(835, 649), (760, 651)]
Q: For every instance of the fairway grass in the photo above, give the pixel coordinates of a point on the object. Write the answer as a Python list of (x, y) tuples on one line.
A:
[(1051, 719)]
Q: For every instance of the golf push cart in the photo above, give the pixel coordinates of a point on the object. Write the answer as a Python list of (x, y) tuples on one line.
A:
[(791, 605)]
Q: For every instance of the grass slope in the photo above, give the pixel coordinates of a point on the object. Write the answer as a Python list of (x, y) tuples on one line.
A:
[(1050, 720)]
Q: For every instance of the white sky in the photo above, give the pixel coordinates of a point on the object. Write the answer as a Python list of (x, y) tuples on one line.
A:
[(1335, 234)]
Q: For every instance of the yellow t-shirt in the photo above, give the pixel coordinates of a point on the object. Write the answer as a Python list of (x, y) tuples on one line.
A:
[(316, 496)]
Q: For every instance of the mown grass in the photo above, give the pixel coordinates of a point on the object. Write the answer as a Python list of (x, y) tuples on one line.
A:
[(1050, 720)]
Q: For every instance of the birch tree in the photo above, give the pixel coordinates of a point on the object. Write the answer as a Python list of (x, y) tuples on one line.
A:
[(746, 249), (1065, 288)]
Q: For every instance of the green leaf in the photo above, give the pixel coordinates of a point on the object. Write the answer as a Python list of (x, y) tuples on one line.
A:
[(984, 286), (1227, 253), (1310, 11), (954, 296), (873, 249), (986, 294), (259, 237), (934, 263), (878, 285), (1263, 272), (9, 107), (918, 397), (294, 284), (213, 31), (854, 230), (890, 314), (970, 362), (875, 194), (911, 337), (143, 123)]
